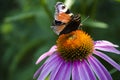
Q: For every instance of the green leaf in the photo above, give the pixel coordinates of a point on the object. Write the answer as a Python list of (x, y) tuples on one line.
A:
[(117, 0), (6, 28), (20, 16), (96, 24)]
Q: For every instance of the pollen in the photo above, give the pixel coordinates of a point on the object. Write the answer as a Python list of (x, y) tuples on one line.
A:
[(76, 45)]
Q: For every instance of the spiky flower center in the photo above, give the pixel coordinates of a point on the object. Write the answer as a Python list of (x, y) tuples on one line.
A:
[(76, 45)]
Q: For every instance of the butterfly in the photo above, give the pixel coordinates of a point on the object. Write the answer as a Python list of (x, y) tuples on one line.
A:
[(64, 21)]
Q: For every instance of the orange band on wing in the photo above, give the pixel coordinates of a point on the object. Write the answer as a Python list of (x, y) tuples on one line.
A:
[(65, 18)]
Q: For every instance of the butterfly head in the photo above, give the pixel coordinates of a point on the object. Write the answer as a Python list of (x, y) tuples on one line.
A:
[(60, 7)]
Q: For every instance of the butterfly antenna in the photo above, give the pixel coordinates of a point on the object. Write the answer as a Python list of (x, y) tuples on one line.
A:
[(82, 22), (85, 19)]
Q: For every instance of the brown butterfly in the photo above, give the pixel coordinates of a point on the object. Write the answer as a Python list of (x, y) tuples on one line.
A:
[(65, 21)]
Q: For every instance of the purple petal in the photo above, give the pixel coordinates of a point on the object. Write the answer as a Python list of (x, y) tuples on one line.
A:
[(75, 73), (108, 59), (55, 55), (49, 67), (47, 61), (108, 49), (97, 69), (55, 71), (104, 43), (68, 71), (64, 72), (38, 71), (50, 52), (107, 74), (82, 73), (88, 70)]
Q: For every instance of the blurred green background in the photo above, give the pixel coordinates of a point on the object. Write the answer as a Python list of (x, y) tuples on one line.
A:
[(25, 32)]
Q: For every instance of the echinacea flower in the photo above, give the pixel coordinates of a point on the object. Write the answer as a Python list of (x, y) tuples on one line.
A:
[(74, 58)]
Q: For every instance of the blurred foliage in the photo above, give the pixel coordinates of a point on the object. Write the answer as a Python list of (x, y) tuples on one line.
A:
[(25, 32)]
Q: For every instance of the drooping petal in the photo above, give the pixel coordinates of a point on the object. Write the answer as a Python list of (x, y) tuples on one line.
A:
[(108, 49), (97, 69), (55, 71), (75, 73), (64, 72), (49, 67), (107, 74), (50, 52), (38, 71), (47, 61), (106, 46), (51, 57), (82, 72), (108, 59), (104, 43), (68, 71), (90, 74)]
